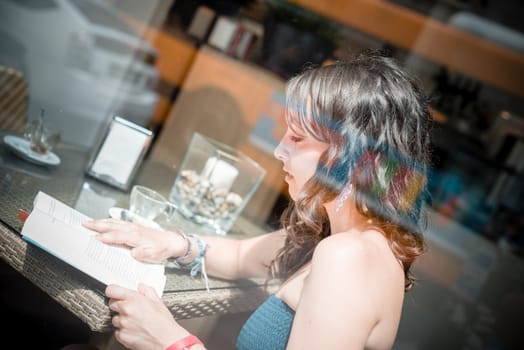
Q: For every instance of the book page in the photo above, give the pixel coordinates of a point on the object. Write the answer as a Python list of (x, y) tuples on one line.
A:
[(56, 228)]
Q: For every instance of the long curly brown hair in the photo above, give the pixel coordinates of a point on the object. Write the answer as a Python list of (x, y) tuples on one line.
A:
[(376, 120)]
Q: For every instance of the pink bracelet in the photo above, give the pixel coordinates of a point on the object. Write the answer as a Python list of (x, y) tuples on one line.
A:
[(185, 343)]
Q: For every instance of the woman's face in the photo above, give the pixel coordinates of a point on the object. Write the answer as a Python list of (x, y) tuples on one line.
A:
[(299, 153)]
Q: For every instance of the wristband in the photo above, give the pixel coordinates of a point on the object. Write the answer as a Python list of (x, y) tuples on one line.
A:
[(185, 343)]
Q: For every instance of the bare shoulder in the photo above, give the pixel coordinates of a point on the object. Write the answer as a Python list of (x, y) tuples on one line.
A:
[(351, 247), (354, 279), (362, 258)]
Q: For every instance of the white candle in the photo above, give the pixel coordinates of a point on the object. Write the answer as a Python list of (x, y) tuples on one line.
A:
[(220, 173)]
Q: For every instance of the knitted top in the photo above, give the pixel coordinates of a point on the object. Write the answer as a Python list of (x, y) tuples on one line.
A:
[(268, 327)]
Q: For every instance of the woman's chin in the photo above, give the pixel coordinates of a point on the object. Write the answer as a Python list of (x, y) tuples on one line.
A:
[(292, 193)]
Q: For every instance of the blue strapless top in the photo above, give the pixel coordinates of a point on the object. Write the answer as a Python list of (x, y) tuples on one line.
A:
[(268, 327)]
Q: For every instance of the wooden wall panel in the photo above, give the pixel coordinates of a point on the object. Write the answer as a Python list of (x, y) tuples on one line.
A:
[(429, 38)]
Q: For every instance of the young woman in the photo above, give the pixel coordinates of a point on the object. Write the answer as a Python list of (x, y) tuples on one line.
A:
[(355, 155)]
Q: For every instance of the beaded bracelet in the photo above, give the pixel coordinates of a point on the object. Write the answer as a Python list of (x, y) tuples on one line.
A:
[(199, 262), (188, 249)]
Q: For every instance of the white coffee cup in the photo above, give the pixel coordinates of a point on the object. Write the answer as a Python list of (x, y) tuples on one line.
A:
[(149, 204)]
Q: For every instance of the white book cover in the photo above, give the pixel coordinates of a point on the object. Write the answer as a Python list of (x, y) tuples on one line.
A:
[(57, 228)]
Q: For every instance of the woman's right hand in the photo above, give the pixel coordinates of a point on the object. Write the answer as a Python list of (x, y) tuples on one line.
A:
[(147, 244), (141, 319)]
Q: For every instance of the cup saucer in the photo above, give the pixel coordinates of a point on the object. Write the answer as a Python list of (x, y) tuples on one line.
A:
[(22, 148), (127, 215)]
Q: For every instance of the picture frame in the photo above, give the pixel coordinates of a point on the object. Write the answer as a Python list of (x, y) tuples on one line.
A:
[(119, 153)]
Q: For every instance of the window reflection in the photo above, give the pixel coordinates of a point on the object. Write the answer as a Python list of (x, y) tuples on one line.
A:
[(83, 63), (87, 60)]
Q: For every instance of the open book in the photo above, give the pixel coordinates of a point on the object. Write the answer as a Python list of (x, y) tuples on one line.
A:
[(57, 228)]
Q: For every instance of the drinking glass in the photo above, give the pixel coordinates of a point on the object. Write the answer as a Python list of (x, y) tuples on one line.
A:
[(149, 204)]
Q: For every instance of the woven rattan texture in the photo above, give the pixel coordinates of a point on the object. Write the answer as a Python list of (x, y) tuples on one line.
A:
[(13, 99), (82, 296), (63, 283)]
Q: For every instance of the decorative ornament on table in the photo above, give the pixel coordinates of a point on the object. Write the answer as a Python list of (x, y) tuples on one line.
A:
[(41, 139)]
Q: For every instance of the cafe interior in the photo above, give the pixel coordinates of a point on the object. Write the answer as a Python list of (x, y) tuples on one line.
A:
[(173, 69)]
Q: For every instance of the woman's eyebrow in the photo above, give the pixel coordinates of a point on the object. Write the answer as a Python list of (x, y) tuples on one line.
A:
[(297, 129)]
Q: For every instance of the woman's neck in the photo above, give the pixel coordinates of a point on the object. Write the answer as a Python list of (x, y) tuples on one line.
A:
[(347, 218)]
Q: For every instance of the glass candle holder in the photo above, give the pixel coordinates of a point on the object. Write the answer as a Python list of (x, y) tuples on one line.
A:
[(214, 183)]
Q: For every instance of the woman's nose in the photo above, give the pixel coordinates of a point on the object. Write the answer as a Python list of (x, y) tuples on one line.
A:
[(279, 152)]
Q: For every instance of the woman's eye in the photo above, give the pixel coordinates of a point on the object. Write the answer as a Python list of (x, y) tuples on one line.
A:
[(296, 139)]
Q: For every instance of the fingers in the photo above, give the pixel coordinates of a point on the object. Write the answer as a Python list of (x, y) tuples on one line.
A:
[(126, 238), (116, 321), (147, 291), (113, 231), (102, 225), (114, 291), (121, 299)]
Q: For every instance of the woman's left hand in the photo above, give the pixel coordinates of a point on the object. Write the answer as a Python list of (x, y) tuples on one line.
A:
[(141, 319), (147, 244)]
